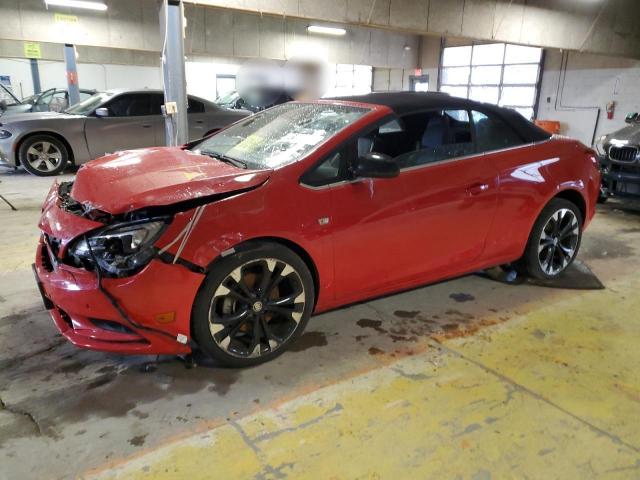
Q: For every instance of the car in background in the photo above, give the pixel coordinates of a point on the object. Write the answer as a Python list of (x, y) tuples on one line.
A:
[(51, 100), (234, 101), (620, 160), (231, 243), (44, 143)]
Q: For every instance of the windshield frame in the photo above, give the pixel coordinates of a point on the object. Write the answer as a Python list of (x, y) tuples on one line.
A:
[(364, 109), (106, 96)]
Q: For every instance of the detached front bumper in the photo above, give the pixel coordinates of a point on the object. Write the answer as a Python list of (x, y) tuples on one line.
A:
[(160, 297), (620, 179)]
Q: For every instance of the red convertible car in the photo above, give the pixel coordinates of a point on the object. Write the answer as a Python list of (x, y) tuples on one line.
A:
[(232, 242)]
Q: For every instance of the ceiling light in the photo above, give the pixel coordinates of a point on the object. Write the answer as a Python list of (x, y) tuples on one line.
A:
[(326, 30), (77, 4)]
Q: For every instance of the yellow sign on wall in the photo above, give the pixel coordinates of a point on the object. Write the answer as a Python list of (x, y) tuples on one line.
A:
[(64, 18), (32, 50)]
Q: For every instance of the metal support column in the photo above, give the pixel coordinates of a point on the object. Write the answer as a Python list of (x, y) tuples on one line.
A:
[(35, 76), (72, 73), (173, 72)]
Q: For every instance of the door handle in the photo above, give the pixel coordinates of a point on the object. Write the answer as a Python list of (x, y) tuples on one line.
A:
[(199, 121), (477, 189), (146, 125)]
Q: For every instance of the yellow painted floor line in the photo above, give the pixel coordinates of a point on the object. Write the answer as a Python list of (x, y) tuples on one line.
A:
[(551, 394)]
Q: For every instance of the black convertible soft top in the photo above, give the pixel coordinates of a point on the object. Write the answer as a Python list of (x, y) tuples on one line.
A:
[(404, 103)]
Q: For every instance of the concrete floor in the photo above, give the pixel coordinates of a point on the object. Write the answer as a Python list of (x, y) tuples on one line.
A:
[(469, 379)]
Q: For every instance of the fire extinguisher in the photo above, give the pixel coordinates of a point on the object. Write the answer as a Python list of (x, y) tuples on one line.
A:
[(611, 108)]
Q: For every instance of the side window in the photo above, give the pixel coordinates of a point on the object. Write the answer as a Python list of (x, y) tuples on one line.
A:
[(331, 170), (389, 138), (195, 106), (85, 95), (157, 100), (130, 105), (45, 98), (436, 136), (59, 101), (492, 133)]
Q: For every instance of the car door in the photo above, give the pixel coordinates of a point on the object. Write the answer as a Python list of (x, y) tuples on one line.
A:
[(41, 102), (197, 118), (130, 124), (429, 222)]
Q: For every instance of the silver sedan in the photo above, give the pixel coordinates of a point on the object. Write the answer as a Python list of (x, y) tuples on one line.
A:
[(44, 143)]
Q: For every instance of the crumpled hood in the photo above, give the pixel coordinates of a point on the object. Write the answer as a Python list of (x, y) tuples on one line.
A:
[(160, 176)]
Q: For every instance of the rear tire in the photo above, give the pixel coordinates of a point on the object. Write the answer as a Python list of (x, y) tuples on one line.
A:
[(554, 240), (43, 155), (252, 305)]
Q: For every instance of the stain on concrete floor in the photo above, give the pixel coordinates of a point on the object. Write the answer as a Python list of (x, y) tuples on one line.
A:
[(51, 391)]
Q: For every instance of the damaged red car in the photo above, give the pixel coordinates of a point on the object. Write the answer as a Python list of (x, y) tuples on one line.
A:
[(233, 242)]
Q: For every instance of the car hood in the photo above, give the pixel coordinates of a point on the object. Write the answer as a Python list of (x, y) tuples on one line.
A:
[(155, 177), (16, 109), (36, 116), (629, 134)]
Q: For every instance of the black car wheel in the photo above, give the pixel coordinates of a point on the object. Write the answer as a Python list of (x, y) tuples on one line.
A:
[(252, 305), (43, 155), (554, 240)]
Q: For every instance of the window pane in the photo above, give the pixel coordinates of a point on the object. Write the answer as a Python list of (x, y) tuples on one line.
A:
[(392, 126), (520, 54), (363, 76), (344, 78), (526, 112), (485, 94), (439, 135), (492, 133), (456, 56), (455, 75), (454, 91), (518, 96), (490, 54), (486, 75), (520, 74), (325, 173)]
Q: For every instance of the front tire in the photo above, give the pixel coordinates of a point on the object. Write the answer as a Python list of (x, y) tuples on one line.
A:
[(43, 155), (253, 305), (554, 241)]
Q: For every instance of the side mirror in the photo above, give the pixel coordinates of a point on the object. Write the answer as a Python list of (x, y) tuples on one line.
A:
[(3, 105), (376, 165), (102, 112), (632, 117)]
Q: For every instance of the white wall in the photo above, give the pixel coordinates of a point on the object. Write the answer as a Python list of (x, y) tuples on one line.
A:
[(20, 72), (590, 82), (90, 75), (201, 76)]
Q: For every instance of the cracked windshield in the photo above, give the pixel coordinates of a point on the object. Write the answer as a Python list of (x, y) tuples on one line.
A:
[(280, 135)]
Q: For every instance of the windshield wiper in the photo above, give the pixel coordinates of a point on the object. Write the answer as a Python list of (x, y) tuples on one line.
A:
[(224, 158)]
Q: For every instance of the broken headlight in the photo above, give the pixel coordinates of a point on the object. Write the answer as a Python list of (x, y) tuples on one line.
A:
[(119, 250)]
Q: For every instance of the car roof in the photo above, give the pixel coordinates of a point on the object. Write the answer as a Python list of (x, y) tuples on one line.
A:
[(406, 102), (118, 91), (403, 103)]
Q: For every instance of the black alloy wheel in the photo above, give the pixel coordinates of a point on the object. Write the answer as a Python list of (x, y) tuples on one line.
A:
[(257, 303), (555, 240)]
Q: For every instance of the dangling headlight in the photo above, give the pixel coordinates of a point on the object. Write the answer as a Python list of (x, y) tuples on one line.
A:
[(119, 250), (600, 146)]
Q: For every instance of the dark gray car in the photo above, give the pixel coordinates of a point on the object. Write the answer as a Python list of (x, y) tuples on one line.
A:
[(620, 160), (43, 143)]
